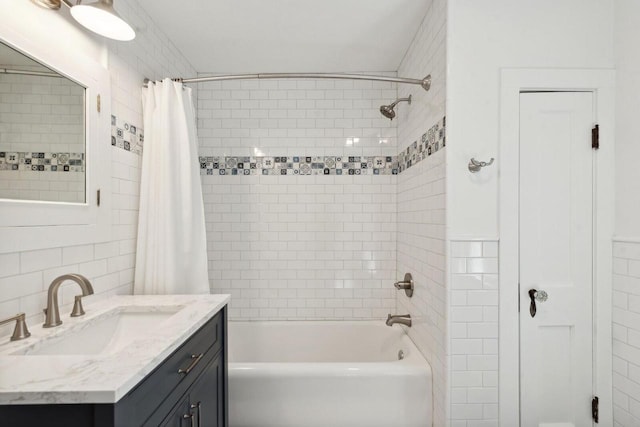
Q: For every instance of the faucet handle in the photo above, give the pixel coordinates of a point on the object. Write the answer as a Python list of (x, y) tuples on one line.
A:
[(78, 310), (406, 284), (20, 331)]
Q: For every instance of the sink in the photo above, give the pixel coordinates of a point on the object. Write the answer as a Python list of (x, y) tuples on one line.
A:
[(106, 334)]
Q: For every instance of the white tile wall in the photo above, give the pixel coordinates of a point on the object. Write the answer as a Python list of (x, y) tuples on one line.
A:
[(41, 114), (626, 334), (426, 55), (421, 252), (473, 333), (421, 203), (25, 276), (302, 247), (296, 117)]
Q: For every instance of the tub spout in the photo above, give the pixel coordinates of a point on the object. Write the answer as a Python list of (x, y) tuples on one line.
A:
[(403, 319)]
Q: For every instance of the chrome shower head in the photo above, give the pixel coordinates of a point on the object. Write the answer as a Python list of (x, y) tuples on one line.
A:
[(388, 110)]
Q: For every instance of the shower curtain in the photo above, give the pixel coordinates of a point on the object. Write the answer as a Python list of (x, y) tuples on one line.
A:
[(171, 255)]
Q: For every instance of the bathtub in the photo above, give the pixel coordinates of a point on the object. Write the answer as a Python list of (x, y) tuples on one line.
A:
[(326, 374)]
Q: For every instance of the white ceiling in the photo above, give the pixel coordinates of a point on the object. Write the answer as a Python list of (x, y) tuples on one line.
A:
[(239, 36)]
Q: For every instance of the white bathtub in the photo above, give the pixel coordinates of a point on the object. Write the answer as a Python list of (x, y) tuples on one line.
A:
[(326, 374)]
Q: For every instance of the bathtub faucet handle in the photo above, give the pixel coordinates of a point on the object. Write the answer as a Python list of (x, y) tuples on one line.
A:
[(406, 284)]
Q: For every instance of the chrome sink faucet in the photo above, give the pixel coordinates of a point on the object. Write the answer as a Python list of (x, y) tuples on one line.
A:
[(52, 312), (403, 319)]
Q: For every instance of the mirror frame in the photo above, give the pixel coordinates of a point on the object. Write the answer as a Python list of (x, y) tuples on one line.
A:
[(30, 225)]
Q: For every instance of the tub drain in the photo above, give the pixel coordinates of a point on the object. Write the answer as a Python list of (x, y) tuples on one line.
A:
[(400, 354)]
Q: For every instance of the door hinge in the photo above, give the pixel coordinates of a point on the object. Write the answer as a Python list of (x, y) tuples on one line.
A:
[(594, 408), (98, 197), (595, 137), (98, 102)]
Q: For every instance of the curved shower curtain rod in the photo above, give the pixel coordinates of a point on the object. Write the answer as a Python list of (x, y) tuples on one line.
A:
[(425, 83)]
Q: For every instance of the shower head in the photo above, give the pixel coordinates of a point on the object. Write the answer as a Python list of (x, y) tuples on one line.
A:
[(387, 110)]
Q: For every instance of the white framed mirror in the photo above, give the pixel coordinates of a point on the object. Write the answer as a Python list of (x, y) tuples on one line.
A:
[(42, 132), (55, 154)]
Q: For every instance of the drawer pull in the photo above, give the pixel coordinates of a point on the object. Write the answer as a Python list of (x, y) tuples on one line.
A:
[(195, 358), (189, 417), (199, 417)]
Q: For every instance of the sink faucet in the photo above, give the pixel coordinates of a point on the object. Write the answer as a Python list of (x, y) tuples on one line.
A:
[(403, 319), (52, 312)]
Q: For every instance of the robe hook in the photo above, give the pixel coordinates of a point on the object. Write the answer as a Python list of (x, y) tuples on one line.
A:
[(475, 166)]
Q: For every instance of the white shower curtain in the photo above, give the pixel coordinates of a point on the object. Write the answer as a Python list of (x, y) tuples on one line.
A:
[(171, 255)]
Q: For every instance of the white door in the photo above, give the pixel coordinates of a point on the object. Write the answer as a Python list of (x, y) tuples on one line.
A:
[(556, 256)]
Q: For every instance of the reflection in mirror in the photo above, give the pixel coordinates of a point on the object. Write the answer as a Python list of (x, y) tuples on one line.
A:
[(42, 132)]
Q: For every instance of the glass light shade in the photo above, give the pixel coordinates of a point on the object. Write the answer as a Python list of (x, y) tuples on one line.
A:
[(101, 18)]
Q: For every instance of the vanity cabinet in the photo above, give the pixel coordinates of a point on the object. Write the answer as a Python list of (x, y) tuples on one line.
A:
[(202, 406), (187, 389)]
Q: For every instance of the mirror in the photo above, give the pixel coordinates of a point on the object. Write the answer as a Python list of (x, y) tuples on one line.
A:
[(42, 132), (40, 223)]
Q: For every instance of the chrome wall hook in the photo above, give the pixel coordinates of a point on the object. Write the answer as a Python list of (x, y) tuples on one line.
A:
[(475, 166)]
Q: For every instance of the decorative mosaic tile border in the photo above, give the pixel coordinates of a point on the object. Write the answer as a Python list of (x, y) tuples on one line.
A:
[(299, 165), (432, 141), (41, 162), (126, 136)]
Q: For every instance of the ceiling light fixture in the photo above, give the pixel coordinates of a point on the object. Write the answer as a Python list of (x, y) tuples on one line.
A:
[(99, 17), (102, 18), (48, 4)]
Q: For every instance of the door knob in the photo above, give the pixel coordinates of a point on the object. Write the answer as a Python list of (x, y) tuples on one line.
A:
[(536, 295)]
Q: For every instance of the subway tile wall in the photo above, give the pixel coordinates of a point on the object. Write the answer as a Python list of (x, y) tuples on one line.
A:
[(293, 117), (299, 246), (421, 203), (626, 334), (302, 247), (430, 142), (25, 276), (41, 123), (41, 114), (473, 331), (421, 243)]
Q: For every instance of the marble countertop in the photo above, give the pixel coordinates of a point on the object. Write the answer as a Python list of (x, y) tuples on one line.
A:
[(104, 377)]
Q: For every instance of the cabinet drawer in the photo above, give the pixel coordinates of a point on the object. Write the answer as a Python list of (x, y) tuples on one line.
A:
[(204, 400), (176, 374)]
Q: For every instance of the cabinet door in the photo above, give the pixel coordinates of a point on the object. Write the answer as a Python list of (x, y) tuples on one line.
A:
[(180, 416), (207, 395)]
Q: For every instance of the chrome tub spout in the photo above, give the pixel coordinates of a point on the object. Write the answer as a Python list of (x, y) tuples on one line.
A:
[(403, 319)]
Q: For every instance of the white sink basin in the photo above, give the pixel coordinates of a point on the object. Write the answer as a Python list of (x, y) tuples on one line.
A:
[(106, 334)]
